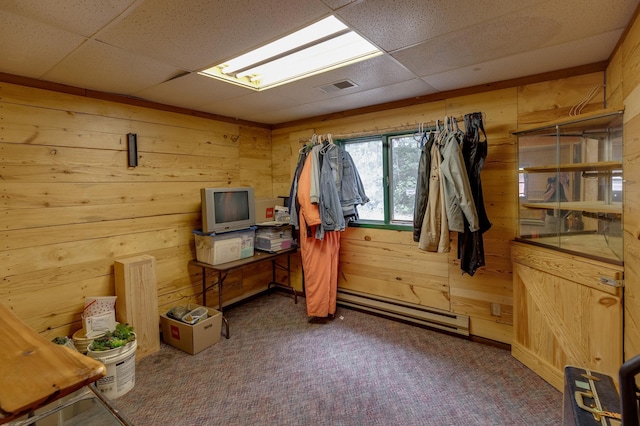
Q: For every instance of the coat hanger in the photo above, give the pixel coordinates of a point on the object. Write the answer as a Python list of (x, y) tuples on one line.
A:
[(417, 136), (455, 123)]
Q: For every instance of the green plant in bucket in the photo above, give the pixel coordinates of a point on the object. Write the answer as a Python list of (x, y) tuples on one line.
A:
[(117, 338)]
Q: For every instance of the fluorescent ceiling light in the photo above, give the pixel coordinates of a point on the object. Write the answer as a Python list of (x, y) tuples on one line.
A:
[(323, 46)]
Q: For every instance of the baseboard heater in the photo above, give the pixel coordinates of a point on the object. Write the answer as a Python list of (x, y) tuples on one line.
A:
[(429, 317)]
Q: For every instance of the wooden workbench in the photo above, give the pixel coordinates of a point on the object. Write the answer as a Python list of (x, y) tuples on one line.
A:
[(35, 371)]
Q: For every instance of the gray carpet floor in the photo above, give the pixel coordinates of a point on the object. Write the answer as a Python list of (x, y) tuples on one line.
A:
[(359, 369)]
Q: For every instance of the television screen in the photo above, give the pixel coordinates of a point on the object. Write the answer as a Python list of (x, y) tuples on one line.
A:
[(227, 209), (231, 206)]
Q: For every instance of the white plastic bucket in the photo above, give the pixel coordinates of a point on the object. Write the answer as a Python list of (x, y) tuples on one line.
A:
[(121, 370)]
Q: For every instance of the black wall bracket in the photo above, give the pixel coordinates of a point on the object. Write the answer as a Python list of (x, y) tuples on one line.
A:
[(132, 149)]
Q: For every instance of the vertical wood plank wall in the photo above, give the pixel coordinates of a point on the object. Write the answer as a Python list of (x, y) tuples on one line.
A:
[(70, 205), (388, 263)]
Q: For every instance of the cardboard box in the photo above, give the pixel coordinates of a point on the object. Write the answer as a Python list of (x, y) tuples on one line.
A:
[(192, 338), (225, 247), (265, 209)]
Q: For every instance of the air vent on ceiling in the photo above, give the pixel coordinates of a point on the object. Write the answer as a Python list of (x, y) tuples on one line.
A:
[(338, 85)]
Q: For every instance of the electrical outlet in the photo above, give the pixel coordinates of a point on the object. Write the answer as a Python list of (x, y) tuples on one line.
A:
[(496, 309)]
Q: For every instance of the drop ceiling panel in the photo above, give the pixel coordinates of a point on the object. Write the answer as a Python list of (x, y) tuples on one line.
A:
[(575, 20), (475, 44), (194, 34), (562, 56), (30, 48), (379, 71), (98, 66), (390, 93), (398, 91), (289, 114), (337, 4), (396, 24), (77, 16), (525, 30), (249, 104), (191, 91)]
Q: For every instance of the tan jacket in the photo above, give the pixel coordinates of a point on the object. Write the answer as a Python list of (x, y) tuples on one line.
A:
[(457, 190)]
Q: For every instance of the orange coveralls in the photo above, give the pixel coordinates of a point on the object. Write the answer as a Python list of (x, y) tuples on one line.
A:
[(319, 257)]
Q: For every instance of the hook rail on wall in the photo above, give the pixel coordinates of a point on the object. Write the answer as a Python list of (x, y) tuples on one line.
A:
[(416, 127)]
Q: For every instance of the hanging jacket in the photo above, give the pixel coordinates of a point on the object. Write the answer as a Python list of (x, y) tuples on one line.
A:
[(329, 198), (434, 235), (316, 167), (422, 184), (308, 209), (294, 205), (457, 191), (352, 191), (474, 152)]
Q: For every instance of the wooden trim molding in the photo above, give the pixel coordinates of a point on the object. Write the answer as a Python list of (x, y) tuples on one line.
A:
[(123, 99)]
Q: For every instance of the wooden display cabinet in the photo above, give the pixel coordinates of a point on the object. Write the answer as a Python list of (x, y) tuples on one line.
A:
[(568, 254), (570, 185)]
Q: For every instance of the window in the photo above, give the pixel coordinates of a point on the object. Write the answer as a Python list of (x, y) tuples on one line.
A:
[(388, 167)]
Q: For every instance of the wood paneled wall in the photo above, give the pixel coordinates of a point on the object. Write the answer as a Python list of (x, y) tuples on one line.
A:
[(388, 263), (623, 85), (70, 205)]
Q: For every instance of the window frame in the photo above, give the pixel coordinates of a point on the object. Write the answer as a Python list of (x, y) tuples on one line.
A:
[(387, 177)]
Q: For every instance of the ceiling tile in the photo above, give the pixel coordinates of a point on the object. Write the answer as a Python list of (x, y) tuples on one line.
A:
[(562, 56), (524, 30), (573, 22), (394, 24), (337, 4), (191, 91), (393, 92), (289, 114), (98, 66), (248, 104), (478, 43), (77, 16), (376, 72), (390, 93), (29, 48), (194, 34)]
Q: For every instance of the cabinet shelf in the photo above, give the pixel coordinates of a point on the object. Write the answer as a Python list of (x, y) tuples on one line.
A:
[(602, 166), (584, 206)]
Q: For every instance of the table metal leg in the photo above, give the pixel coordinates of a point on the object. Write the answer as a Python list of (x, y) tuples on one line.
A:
[(204, 296), (220, 283), (286, 286), (204, 286)]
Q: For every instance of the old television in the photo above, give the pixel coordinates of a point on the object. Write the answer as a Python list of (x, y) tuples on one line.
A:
[(227, 209)]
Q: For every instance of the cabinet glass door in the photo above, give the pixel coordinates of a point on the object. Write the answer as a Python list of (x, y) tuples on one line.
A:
[(570, 185)]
